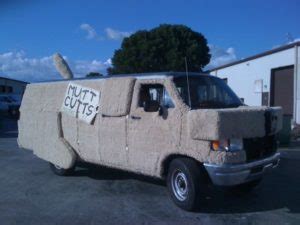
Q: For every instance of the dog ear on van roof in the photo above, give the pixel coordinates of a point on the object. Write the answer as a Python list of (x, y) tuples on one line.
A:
[(62, 66)]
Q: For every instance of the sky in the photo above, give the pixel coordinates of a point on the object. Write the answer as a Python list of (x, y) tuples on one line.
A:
[(87, 33)]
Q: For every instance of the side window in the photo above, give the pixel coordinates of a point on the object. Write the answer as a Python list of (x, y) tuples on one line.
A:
[(168, 103), (155, 93), (150, 92)]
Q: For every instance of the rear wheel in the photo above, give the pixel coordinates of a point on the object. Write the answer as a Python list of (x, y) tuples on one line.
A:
[(185, 182), (61, 171)]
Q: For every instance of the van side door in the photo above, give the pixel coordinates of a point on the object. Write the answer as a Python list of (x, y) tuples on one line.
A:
[(113, 121), (154, 126)]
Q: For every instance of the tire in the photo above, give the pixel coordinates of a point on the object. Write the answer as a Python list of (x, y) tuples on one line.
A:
[(184, 182), (246, 187), (61, 171)]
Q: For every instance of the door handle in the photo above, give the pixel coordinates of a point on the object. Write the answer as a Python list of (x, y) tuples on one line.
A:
[(135, 117)]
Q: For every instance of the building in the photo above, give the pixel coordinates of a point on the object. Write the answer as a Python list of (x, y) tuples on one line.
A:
[(12, 87), (270, 78)]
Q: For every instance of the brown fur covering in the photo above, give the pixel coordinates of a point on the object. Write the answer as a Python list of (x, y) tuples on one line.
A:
[(122, 134), (215, 124), (116, 96)]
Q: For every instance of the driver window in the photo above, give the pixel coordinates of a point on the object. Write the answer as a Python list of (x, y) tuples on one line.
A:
[(156, 93)]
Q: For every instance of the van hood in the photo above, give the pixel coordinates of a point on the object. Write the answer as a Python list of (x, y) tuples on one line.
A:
[(241, 122)]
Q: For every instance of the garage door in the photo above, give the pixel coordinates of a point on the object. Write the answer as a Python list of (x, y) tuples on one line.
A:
[(282, 88)]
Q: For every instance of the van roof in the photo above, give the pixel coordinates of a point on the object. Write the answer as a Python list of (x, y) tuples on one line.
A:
[(153, 75)]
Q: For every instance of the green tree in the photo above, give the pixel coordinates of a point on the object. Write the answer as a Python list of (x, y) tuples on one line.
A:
[(94, 74), (161, 49)]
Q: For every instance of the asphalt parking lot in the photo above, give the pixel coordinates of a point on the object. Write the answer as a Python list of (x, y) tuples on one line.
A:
[(31, 194)]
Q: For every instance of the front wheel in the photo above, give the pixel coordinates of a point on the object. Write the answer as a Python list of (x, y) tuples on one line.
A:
[(185, 182), (61, 171)]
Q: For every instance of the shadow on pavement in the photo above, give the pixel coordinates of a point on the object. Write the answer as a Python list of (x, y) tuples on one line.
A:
[(280, 189), (8, 127), (103, 173)]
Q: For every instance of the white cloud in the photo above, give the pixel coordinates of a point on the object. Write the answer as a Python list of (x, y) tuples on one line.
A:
[(18, 66), (108, 62), (82, 67), (110, 34), (116, 34), (90, 31), (220, 56), (293, 40)]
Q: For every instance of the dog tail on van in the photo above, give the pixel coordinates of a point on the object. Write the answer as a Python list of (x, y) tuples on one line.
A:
[(62, 66)]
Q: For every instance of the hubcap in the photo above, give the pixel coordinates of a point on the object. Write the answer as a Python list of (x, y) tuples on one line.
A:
[(179, 185)]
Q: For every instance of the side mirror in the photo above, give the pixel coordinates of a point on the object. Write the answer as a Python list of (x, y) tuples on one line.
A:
[(151, 106)]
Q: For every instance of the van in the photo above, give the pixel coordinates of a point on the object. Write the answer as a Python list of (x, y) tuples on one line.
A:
[(189, 130), (10, 104)]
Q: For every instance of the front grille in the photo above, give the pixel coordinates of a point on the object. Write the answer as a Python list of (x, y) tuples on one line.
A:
[(257, 148)]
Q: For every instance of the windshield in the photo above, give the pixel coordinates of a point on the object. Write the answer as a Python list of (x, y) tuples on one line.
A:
[(206, 92)]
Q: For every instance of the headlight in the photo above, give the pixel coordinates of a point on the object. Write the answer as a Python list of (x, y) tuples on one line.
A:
[(234, 144)]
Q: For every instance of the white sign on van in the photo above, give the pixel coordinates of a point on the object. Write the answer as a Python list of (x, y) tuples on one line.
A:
[(81, 102)]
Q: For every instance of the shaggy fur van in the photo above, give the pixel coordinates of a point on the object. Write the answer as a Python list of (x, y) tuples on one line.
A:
[(123, 135)]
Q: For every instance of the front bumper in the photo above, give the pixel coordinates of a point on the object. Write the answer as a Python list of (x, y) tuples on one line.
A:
[(234, 174)]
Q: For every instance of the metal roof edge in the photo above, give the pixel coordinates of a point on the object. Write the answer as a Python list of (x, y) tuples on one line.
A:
[(269, 52), (137, 75), (6, 78)]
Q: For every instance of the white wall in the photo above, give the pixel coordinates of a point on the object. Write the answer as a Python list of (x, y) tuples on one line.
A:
[(297, 87), (241, 77)]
